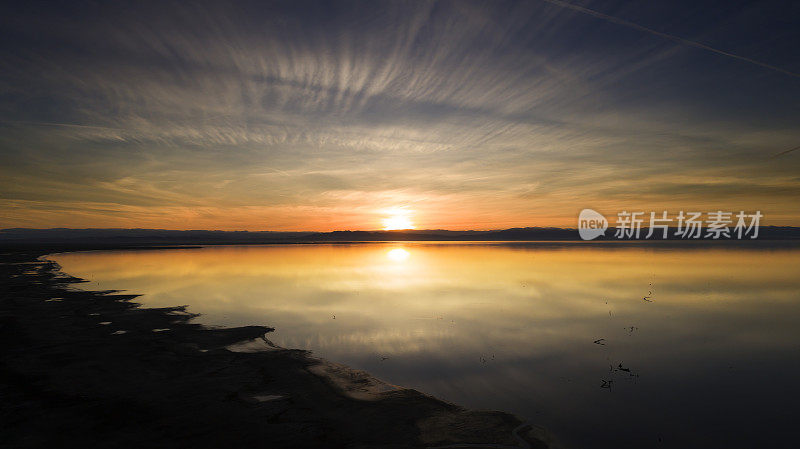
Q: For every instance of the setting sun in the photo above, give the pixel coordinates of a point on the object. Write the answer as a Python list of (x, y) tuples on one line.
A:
[(397, 222)]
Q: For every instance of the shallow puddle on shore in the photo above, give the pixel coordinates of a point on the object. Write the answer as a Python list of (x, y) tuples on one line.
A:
[(606, 345)]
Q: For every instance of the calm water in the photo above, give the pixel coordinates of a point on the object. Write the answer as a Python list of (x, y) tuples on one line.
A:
[(713, 353)]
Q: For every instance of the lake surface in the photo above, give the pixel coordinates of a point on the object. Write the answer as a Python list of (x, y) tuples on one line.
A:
[(605, 345)]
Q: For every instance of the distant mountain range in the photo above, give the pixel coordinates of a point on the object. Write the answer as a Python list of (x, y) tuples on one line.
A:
[(150, 237)]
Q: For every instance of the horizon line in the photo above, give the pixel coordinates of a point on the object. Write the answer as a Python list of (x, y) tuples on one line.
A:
[(340, 230)]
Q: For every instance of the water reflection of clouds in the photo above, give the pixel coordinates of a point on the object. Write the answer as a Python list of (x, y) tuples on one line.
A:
[(496, 327)]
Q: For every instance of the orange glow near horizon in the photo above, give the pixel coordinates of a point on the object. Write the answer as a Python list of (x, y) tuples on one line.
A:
[(455, 212), (399, 220)]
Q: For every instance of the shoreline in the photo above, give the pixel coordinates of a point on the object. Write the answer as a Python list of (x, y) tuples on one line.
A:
[(89, 367)]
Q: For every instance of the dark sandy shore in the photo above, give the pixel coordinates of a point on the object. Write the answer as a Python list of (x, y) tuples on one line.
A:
[(92, 369)]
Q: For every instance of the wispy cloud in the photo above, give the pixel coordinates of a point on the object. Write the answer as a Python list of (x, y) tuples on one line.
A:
[(323, 115)]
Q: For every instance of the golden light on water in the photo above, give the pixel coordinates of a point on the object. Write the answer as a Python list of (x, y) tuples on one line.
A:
[(522, 294), (398, 255)]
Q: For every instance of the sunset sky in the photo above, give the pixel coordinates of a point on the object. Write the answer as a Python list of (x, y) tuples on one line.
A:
[(342, 115)]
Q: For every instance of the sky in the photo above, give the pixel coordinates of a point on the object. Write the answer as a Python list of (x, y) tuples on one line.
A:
[(330, 115)]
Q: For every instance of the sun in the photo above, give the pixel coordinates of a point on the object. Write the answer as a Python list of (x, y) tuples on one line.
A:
[(397, 222)]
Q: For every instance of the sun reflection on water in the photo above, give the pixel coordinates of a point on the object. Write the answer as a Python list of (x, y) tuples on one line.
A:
[(398, 255), (510, 327)]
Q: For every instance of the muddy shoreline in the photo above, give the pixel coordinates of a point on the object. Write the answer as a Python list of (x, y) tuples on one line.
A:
[(94, 368)]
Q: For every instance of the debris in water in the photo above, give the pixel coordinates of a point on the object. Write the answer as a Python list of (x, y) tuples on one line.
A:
[(649, 294)]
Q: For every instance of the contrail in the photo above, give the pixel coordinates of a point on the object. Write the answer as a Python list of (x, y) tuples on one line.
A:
[(64, 125), (671, 37), (785, 152)]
